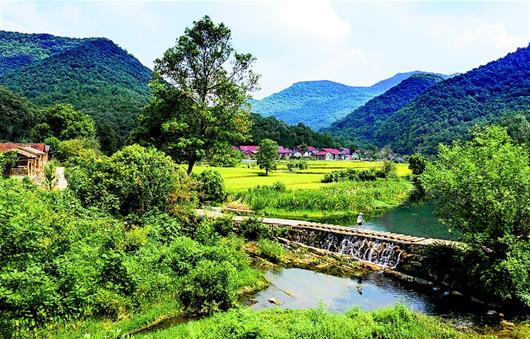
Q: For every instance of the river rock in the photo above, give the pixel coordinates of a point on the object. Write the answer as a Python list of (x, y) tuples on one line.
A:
[(274, 301)]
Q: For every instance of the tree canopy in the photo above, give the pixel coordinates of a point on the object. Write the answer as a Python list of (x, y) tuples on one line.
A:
[(267, 155), (482, 187), (201, 88), (63, 122)]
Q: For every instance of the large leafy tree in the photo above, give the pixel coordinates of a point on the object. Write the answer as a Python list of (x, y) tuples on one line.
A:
[(482, 187), (201, 89)]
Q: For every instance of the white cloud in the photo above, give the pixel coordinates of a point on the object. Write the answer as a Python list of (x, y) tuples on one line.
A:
[(313, 19)]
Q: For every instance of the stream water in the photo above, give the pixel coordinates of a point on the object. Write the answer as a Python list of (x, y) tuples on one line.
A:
[(417, 220), (297, 288)]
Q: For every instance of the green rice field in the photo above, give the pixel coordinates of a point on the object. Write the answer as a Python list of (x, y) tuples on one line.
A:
[(247, 176)]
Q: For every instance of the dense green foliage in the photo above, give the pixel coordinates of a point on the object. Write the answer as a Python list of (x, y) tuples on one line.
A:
[(267, 155), (200, 87), (210, 186), (447, 110), (417, 164), (8, 160), (60, 262), (361, 125), (397, 322), (17, 116), (94, 75), (132, 180), (482, 187), (335, 203), (319, 103), (19, 49), (63, 122), (287, 135)]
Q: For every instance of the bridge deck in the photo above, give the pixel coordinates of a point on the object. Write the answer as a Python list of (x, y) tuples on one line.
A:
[(354, 231)]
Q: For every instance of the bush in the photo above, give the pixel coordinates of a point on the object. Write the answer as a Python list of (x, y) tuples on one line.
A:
[(271, 250), (210, 287), (8, 160), (134, 180), (210, 185), (253, 229), (300, 164)]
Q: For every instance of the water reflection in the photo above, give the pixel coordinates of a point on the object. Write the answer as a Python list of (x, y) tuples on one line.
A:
[(299, 289), (417, 220)]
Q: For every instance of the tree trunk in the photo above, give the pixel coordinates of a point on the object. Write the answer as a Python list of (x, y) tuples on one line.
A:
[(190, 165), (266, 171)]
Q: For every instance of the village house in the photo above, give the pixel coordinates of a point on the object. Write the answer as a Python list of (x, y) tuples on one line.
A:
[(284, 152), (249, 151), (345, 154), (31, 159), (328, 154)]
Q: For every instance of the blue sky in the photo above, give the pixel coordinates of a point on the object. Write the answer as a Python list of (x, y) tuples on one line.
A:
[(356, 43)]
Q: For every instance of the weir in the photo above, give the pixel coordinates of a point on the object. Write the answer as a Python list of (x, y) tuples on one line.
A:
[(384, 249)]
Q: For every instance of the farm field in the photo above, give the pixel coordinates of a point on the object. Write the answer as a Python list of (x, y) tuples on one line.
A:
[(242, 178)]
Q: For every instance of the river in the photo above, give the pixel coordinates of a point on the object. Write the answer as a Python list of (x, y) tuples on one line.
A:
[(414, 219)]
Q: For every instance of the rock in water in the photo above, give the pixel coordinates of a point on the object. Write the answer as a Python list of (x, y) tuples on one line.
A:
[(274, 301)]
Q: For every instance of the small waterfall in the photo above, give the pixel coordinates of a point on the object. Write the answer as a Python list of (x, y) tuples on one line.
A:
[(383, 253)]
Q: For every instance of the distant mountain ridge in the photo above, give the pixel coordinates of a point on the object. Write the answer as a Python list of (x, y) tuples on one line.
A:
[(447, 110), (359, 127), (320, 103), (94, 74)]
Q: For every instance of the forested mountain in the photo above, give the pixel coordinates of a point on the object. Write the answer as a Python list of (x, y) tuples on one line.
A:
[(19, 49), (359, 126), (447, 110), (17, 116), (94, 75), (287, 135), (319, 103)]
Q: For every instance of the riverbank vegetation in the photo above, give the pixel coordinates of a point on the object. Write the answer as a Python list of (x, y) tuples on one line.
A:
[(397, 322), (338, 202), (482, 188)]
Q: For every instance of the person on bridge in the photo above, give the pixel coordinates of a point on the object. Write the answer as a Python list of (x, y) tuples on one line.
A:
[(360, 220)]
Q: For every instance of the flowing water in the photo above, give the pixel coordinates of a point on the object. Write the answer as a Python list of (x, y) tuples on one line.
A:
[(417, 220), (297, 288)]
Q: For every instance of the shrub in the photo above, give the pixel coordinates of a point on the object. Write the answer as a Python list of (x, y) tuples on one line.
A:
[(271, 250), (134, 180), (8, 160), (210, 287), (300, 164), (254, 229), (210, 186)]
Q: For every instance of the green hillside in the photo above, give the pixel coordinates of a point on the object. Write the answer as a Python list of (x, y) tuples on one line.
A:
[(359, 126), (319, 103), (447, 110), (94, 75), (17, 115)]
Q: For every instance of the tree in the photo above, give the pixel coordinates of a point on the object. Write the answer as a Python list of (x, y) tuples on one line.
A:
[(417, 164), (267, 155), (482, 187), (201, 91), (64, 122), (50, 175)]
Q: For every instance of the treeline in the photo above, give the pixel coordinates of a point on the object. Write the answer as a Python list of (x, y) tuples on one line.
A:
[(288, 135)]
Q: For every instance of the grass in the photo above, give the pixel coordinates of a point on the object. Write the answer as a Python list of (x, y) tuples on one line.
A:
[(396, 322), (334, 203), (242, 178)]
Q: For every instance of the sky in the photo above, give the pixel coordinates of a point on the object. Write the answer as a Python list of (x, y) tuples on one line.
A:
[(351, 42)]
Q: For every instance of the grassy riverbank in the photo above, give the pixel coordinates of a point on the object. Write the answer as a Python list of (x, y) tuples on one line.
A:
[(334, 203), (397, 322)]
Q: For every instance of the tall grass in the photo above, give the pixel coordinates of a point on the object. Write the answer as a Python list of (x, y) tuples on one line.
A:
[(337, 202), (397, 322)]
